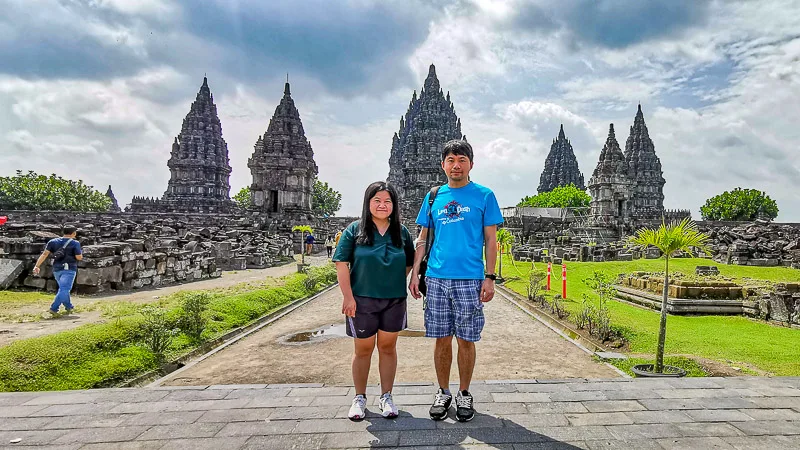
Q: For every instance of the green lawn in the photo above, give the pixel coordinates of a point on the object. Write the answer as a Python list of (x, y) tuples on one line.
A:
[(738, 339), (100, 355)]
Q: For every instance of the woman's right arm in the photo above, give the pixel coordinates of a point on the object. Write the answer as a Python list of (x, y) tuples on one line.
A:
[(343, 276)]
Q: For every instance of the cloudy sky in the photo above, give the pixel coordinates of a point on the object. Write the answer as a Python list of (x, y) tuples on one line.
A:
[(97, 89)]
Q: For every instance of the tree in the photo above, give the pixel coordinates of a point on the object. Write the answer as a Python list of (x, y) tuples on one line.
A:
[(243, 199), (504, 242), (677, 236), (739, 204), (39, 192), (561, 197), (303, 229), (325, 200)]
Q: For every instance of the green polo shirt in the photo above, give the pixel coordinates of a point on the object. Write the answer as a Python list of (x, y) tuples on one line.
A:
[(379, 270)]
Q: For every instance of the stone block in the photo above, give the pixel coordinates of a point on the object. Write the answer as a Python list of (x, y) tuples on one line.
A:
[(97, 263), (35, 282), (137, 245), (112, 274), (624, 257), (150, 263), (238, 263), (89, 277), (98, 251), (10, 270)]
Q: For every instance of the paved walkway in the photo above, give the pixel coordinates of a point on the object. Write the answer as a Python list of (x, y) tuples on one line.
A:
[(741, 413)]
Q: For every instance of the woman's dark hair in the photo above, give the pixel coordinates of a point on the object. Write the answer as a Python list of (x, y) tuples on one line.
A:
[(457, 147), (367, 227)]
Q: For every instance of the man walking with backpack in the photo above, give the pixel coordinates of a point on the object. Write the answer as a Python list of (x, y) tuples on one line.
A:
[(66, 253), (462, 219)]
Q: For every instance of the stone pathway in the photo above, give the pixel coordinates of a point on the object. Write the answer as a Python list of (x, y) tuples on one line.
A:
[(723, 413)]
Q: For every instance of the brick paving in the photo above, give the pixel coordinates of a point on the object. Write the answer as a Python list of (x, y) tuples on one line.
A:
[(719, 413)]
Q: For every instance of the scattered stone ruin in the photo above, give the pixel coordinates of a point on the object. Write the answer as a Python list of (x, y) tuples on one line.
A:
[(713, 294), (129, 251)]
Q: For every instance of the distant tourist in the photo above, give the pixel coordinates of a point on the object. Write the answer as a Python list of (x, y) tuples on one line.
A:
[(464, 219), (309, 243), (373, 259), (66, 253), (329, 245)]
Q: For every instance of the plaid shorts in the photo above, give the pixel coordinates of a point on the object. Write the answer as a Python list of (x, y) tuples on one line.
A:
[(453, 307)]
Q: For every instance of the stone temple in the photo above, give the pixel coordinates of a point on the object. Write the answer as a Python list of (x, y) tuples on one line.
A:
[(415, 161), (282, 164), (627, 188), (199, 167), (114, 204), (644, 170), (610, 186), (561, 166)]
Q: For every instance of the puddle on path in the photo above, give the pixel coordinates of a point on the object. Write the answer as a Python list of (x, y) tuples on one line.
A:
[(331, 332)]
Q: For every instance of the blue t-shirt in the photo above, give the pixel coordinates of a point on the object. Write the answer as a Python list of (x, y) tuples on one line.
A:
[(310, 239), (459, 215), (74, 248)]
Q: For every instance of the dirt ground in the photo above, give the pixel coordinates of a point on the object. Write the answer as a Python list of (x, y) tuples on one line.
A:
[(10, 332), (514, 346)]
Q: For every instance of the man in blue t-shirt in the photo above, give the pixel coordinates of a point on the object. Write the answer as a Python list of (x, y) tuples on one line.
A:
[(66, 253), (464, 219)]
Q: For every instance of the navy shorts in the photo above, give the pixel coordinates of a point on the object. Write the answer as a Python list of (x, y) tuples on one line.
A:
[(373, 314), (454, 308)]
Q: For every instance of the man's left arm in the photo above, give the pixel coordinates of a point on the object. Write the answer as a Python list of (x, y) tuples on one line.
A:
[(490, 245)]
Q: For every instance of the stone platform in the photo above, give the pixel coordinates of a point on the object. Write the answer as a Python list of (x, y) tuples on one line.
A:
[(724, 413)]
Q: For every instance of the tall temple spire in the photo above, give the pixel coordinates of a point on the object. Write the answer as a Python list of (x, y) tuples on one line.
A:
[(610, 187), (561, 166), (199, 165), (644, 169), (114, 205), (282, 164), (415, 159)]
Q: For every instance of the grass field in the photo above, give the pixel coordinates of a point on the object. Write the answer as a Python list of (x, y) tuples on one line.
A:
[(737, 339), (99, 355)]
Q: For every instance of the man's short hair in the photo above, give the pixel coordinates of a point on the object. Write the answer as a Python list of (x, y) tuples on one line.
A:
[(457, 147), (68, 229)]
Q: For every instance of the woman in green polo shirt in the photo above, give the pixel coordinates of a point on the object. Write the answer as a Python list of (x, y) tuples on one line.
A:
[(373, 259)]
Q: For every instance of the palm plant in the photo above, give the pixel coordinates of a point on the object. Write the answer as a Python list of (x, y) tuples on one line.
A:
[(504, 242), (304, 229), (677, 236)]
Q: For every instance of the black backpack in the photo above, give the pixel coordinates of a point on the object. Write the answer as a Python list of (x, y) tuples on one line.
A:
[(61, 253)]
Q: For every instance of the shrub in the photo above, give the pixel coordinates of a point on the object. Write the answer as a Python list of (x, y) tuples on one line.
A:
[(739, 204), (156, 331), (560, 197), (534, 285), (193, 318)]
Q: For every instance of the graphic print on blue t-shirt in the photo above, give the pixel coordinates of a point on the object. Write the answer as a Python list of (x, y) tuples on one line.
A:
[(459, 215)]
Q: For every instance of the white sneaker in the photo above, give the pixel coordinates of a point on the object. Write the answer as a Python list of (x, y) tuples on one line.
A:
[(359, 408), (388, 410)]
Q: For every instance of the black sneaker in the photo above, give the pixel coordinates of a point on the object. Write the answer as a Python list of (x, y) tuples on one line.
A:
[(464, 410), (440, 405)]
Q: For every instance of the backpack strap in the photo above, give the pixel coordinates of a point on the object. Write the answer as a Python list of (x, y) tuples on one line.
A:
[(431, 229)]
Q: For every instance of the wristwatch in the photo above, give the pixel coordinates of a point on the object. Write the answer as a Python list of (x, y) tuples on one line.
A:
[(491, 276)]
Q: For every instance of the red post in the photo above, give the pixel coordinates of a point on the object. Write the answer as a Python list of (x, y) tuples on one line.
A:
[(563, 280), (549, 272)]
